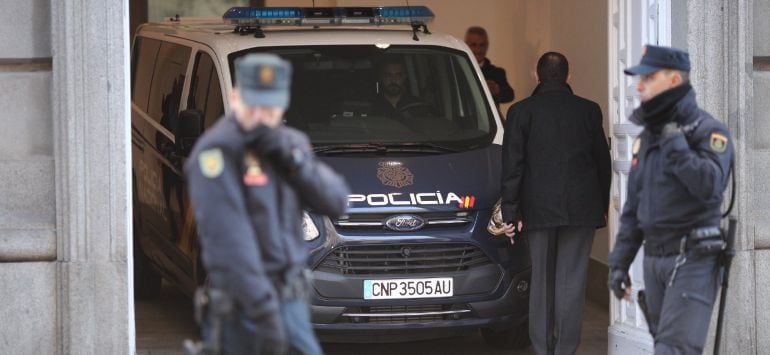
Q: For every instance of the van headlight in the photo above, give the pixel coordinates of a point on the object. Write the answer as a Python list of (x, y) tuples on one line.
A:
[(496, 224), (308, 227)]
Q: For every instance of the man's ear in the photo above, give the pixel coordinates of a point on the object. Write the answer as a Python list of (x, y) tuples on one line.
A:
[(676, 78), (569, 78), (535, 77)]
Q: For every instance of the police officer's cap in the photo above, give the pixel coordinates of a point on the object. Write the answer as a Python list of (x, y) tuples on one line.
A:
[(263, 80), (656, 58)]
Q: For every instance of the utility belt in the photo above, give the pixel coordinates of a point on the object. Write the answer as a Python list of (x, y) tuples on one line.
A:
[(700, 241), (213, 306)]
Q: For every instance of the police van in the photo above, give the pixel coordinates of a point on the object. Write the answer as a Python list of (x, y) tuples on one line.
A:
[(401, 112)]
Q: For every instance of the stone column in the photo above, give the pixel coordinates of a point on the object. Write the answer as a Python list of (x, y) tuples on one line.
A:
[(90, 104), (719, 39)]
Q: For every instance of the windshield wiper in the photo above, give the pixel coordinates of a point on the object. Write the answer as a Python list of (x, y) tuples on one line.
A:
[(349, 148), (383, 148)]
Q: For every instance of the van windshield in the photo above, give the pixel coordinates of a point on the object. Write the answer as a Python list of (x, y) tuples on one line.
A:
[(359, 98)]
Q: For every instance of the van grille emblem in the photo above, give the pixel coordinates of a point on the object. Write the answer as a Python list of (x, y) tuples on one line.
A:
[(405, 223)]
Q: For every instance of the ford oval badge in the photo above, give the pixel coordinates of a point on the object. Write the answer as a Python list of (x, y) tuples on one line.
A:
[(405, 223)]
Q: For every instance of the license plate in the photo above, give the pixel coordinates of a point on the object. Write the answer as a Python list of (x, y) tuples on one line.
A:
[(408, 288)]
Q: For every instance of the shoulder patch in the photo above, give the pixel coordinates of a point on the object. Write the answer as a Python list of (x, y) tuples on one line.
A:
[(718, 142), (211, 162), (637, 145)]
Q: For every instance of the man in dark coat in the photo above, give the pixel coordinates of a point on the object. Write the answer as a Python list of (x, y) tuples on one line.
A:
[(249, 180), (679, 172), (555, 188), (477, 40)]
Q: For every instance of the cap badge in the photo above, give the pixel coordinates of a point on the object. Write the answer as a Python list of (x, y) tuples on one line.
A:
[(266, 75)]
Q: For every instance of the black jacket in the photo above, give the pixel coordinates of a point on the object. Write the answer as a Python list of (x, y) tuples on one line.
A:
[(497, 75), (556, 162), (249, 209), (676, 183)]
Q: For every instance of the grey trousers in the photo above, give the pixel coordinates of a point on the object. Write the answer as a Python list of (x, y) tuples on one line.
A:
[(680, 313), (559, 266)]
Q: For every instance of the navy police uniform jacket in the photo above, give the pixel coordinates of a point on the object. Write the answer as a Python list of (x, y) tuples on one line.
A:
[(249, 211), (676, 182)]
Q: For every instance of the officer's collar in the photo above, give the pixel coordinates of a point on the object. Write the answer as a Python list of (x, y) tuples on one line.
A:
[(550, 86)]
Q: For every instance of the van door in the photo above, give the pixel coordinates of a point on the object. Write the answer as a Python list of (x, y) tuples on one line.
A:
[(204, 106), (160, 70)]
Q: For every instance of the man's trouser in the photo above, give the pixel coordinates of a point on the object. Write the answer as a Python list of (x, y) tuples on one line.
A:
[(680, 314), (559, 266)]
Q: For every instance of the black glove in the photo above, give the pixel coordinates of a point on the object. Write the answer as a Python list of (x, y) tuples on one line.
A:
[(286, 147), (670, 129), (273, 339), (618, 281)]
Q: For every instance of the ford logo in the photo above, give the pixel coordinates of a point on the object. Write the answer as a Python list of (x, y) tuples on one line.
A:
[(405, 223)]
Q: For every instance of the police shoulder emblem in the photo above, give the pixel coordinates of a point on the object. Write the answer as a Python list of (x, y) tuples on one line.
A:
[(394, 174), (211, 162), (718, 142)]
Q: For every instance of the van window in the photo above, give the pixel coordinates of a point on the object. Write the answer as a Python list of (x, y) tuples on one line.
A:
[(401, 95), (167, 83), (205, 91), (143, 65)]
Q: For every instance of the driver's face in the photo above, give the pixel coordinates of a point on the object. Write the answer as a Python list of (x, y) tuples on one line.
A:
[(393, 78)]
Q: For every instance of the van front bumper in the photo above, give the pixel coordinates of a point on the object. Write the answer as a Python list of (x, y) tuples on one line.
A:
[(346, 319)]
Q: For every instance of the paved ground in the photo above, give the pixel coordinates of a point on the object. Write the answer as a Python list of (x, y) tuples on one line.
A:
[(162, 324)]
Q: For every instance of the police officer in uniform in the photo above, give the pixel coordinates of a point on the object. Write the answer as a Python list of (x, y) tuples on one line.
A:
[(679, 171), (249, 180)]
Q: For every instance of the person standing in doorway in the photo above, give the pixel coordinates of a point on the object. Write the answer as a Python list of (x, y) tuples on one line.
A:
[(555, 190), (679, 172), (476, 38), (249, 178)]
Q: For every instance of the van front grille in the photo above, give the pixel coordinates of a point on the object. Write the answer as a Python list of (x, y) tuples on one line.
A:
[(434, 258)]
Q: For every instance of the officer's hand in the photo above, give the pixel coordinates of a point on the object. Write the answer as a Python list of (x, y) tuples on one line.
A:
[(287, 147), (619, 283), (670, 129), (273, 338)]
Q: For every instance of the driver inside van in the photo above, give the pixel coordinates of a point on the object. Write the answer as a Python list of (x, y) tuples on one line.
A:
[(393, 99)]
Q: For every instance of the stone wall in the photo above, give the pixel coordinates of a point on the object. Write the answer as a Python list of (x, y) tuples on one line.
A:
[(64, 197)]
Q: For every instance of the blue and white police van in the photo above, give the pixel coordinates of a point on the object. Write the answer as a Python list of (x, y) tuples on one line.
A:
[(401, 112)]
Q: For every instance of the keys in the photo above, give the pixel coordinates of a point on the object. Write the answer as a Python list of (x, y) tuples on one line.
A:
[(680, 260)]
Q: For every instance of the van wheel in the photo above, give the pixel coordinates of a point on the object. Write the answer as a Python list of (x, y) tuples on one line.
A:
[(510, 339)]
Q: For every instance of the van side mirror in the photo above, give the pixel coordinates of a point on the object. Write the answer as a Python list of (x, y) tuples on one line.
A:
[(188, 130)]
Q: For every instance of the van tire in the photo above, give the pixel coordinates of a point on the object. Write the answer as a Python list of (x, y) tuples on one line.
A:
[(510, 339)]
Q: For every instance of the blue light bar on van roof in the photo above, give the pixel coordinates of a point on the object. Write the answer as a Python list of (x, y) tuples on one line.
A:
[(328, 16)]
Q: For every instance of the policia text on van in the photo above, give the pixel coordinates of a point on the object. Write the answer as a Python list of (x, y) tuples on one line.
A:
[(402, 114)]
